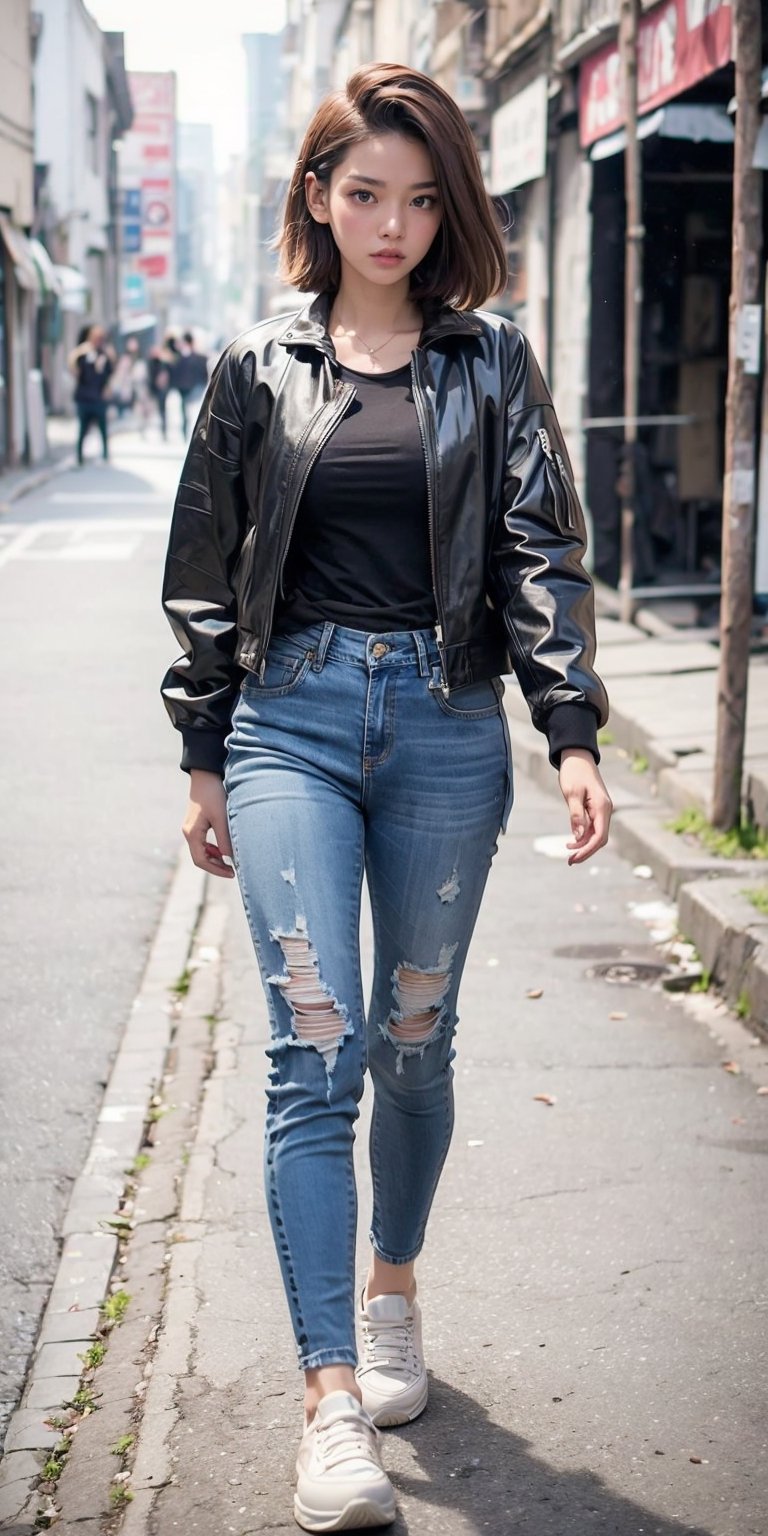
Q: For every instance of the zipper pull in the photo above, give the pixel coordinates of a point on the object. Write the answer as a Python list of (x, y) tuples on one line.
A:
[(444, 689)]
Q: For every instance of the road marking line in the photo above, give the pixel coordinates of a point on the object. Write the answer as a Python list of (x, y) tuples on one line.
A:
[(108, 498), (84, 551)]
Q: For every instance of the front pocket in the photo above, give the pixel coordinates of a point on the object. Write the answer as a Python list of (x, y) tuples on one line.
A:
[(478, 701), (284, 668)]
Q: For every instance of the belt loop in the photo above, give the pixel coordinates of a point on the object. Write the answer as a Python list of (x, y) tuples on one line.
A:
[(325, 640), (421, 651)]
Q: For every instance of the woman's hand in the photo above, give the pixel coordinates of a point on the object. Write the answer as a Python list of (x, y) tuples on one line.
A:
[(588, 802), (207, 812)]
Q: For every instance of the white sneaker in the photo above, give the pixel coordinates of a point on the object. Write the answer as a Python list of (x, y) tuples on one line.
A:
[(392, 1375), (342, 1485)]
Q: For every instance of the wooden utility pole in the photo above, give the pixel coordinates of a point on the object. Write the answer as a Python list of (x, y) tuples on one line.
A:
[(740, 423), (633, 297)]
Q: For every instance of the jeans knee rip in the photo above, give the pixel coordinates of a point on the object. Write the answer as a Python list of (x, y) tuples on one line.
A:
[(320, 1021), (419, 1016)]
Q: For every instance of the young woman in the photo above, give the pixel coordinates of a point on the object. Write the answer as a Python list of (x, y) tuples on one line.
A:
[(376, 519)]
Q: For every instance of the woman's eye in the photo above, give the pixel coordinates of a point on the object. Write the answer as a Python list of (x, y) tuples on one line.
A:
[(362, 193), (424, 200)]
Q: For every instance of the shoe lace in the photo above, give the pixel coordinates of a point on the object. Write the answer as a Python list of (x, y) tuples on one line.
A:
[(387, 1343), (345, 1438)]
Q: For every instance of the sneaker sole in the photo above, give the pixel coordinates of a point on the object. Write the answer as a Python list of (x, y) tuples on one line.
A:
[(358, 1514), (389, 1415)]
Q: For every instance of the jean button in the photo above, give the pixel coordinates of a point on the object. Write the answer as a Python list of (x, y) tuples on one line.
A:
[(379, 650)]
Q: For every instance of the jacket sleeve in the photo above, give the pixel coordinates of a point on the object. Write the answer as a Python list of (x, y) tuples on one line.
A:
[(537, 574), (207, 534)]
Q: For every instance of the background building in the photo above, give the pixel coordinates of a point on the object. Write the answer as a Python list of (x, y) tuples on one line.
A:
[(148, 202), (195, 300), (82, 108), (19, 286)]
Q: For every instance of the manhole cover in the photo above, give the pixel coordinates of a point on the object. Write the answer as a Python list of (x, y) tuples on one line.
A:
[(630, 973)]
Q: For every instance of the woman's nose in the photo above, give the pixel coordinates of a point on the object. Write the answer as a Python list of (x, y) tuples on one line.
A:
[(392, 223)]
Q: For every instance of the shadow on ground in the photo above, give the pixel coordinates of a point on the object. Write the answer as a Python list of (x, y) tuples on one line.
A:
[(489, 1478)]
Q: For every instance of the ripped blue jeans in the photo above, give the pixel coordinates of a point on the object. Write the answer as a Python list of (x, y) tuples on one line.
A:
[(345, 759)]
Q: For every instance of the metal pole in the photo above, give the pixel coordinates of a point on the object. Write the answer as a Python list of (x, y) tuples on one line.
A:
[(740, 423), (633, 297)]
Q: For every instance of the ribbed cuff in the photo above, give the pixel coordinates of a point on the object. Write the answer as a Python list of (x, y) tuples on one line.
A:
[(203, 749), (571, 725)]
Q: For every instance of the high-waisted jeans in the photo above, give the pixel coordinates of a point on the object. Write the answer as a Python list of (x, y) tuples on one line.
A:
[(346, 759)]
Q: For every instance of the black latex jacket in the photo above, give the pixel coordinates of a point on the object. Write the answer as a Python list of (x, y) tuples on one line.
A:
[(506, 529)]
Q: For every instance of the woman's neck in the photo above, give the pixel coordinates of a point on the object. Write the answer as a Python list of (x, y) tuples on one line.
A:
[(371, 311)]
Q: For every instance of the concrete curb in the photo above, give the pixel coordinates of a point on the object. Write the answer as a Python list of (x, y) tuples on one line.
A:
[(34, 480), (90, 1249), (729, 933)]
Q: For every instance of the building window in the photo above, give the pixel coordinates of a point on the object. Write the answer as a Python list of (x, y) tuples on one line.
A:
[(92, 131)]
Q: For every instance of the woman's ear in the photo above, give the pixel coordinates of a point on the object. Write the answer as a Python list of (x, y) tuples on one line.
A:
[(315, 194)]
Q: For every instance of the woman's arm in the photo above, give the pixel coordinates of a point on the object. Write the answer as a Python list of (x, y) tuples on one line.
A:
[(539, 582), (207, 532)]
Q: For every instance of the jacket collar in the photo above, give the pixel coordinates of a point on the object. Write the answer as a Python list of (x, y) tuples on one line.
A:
[(309, 328)]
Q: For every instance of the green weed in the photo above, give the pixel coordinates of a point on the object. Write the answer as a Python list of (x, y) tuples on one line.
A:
[(123, 1445), (116, 1306), (758, 898), (745, 841), (605, 738), (640, 763), (119, 1496), (94, 1355), (743, 1006)]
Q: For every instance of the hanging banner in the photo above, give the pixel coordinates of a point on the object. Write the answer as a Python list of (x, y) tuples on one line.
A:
[(147, 178), (679, 43)]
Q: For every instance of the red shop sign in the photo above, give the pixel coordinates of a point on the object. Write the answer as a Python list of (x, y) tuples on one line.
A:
[(153, 266), (679, 42)]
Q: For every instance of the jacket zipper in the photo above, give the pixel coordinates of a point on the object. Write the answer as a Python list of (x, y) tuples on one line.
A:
[(340, 389), (421, 412), (558, 463)]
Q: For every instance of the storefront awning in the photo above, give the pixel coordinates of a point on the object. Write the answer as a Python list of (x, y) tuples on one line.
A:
[(73, 292), (697, 124), (18, 248), (49, 283)]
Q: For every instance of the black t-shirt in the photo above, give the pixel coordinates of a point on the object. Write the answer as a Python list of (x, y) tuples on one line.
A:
[(359, 553)]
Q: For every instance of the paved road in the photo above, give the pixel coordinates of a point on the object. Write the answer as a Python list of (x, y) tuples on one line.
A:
[(92, 807)]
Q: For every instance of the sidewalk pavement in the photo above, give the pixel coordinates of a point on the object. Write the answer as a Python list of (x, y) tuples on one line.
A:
[(61, 432), (593, 1282), (659, 762)]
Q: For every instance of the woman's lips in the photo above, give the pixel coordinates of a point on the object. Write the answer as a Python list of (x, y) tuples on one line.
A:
[(388, 258)]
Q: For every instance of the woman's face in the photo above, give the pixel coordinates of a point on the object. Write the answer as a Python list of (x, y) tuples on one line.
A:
[(382, 206)]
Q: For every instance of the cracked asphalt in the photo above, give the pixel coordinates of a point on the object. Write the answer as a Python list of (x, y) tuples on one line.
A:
[(594, 1281)]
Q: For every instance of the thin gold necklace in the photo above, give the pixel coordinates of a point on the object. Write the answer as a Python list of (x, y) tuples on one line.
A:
[(382, 344)]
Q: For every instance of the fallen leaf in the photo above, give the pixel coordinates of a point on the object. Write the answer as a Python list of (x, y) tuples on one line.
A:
[(617, 1015), (738, 1120), (544, 1098), (764, 1089), (699, 1461), (535, 992), (731, 1066), (643, 872), (475, 1143)]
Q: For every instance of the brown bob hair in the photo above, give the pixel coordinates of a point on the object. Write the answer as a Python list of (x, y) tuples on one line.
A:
[(466, 262)]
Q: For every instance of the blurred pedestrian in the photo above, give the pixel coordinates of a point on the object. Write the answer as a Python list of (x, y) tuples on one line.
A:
[(376, 520), (160, 363), (189, 376), (130, 368), (93, 363)]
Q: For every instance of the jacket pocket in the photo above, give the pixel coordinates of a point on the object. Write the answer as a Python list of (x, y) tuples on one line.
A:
[(560, 484)]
